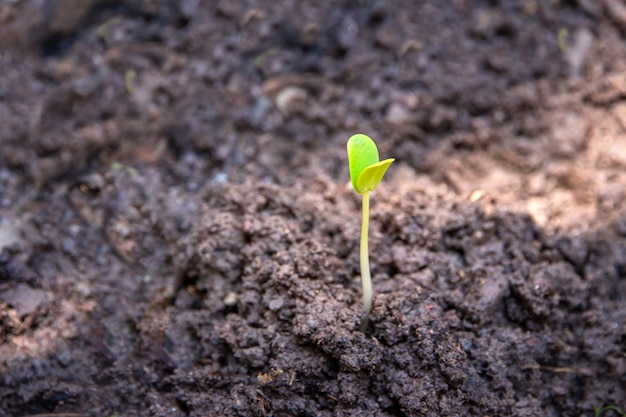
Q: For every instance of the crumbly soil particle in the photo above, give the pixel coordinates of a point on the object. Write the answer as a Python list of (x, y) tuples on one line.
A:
[(178, 236)]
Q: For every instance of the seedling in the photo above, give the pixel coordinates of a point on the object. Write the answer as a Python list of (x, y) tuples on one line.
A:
[(366, 171), (599, 411)]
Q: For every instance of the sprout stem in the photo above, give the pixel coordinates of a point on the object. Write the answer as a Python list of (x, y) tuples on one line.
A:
[(366, 278)]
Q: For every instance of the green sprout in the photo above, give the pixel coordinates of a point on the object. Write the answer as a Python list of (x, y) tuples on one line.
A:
[(600, 410), (366, 171)]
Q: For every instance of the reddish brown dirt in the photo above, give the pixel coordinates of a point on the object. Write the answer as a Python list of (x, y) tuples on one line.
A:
[(178, 236)]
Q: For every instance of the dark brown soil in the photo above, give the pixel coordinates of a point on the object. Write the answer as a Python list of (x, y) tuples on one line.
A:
[(178, 235)]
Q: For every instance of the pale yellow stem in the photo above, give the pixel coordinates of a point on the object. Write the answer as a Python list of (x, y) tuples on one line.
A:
[(366, 278)]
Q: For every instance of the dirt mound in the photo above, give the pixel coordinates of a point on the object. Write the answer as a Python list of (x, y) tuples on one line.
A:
[(178, 235)]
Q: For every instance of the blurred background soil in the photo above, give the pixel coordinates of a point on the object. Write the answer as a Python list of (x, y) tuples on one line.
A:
[(178, 235)]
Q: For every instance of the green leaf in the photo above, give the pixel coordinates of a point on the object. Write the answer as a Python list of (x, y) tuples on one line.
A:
[(365, 169), (372, 175)]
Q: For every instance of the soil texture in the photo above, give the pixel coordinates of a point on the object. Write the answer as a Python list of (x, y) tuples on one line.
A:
[(179, 236)]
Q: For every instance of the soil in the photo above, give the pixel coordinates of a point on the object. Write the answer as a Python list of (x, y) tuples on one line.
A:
[(179, 236)]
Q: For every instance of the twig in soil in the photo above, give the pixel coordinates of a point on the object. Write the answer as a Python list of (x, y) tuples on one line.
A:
[(559, 369), (292, 378), (366, 172), (264, 401), (562, 369)]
